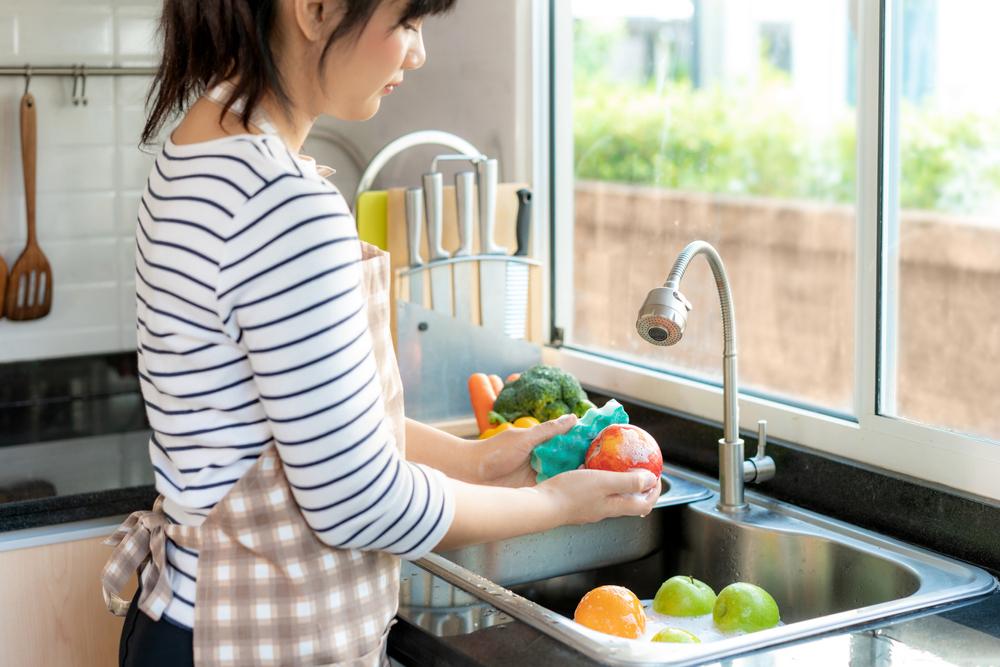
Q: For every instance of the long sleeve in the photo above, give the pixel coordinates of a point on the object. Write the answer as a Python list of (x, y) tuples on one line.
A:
[(289, 293)]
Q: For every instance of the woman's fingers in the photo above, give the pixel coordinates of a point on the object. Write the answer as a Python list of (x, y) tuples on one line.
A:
[(550, 429), (529, 438), (625, 483)]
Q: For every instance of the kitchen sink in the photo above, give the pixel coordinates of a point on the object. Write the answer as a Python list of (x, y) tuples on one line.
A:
[(824, 574)]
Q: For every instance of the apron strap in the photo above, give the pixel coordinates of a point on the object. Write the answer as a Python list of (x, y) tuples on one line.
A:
[(141, 540)]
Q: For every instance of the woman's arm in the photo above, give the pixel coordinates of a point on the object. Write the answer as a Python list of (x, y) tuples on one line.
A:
[(442, 451), (486, 512), (489, 513), (502, 460)]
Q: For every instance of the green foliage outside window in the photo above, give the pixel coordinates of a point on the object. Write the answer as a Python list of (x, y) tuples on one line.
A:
[(744, 140)]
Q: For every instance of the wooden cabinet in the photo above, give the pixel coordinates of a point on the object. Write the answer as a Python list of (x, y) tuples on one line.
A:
[(51, 608)]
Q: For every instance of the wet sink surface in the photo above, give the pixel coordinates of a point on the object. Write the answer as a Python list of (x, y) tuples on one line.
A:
[(825, 575)]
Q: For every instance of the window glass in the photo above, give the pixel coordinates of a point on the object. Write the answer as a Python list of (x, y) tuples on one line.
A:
[(942, 352), (732, 122)]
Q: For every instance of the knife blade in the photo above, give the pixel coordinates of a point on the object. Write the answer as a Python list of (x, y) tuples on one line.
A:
[(491, 273), (465, 181), (414, 221), (440, 275), (516, 310)]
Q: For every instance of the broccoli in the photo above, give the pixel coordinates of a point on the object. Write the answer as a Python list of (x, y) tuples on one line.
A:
[(543, 392)]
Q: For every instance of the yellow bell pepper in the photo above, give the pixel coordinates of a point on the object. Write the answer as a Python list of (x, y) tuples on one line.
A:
[(525, 422), (490, 432)]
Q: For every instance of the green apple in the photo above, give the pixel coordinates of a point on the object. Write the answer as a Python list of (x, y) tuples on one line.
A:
[(676, 636), (684, 596), (743, 606)]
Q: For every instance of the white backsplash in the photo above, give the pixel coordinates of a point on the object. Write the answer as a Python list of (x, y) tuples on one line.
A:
[(90, 172)]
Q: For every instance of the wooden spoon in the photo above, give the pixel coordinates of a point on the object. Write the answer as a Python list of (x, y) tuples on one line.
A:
[(29, 289)]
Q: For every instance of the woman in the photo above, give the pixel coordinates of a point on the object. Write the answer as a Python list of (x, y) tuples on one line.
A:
[(286, 493)]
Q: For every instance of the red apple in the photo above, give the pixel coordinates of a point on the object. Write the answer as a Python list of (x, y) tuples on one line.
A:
[(621, 447)]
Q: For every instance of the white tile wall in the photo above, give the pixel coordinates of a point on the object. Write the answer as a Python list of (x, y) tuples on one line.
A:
[(90, 171)]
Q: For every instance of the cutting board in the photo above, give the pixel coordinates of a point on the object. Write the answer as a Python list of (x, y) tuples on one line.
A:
[(372, 212), (505, 236)]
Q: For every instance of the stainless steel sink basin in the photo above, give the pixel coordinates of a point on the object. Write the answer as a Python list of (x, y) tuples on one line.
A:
[(824, 574)]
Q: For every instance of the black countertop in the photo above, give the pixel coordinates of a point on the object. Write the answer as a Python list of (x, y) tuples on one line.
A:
[(73, 446)]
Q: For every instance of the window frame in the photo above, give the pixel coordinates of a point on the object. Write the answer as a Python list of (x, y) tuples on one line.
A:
[(957, 461)]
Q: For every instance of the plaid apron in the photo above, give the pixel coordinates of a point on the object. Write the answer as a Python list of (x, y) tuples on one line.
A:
[(269, 591)]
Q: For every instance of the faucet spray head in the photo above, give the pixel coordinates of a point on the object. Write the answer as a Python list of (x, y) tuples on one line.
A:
[(663, 315)]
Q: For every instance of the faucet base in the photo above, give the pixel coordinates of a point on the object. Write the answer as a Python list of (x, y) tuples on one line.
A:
[(731, 475)]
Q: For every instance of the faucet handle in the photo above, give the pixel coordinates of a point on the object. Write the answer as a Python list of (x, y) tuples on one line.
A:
[(761, 438), (761, 467)]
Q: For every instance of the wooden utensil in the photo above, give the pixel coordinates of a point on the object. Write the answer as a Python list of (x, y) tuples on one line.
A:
[(29, 289), (3, 284)]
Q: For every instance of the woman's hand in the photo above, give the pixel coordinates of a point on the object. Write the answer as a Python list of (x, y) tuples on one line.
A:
[(585, 496), (504, 459)]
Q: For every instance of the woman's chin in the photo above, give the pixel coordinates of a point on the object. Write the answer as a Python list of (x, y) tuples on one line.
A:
[(360, 112)]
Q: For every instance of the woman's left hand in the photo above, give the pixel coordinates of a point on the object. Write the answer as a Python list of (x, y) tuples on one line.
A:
[(505, 458)]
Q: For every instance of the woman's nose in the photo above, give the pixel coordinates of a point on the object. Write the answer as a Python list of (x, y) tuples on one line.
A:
[(416, 56)]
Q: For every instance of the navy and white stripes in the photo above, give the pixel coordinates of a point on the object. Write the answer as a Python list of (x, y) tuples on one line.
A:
[(252, 330)]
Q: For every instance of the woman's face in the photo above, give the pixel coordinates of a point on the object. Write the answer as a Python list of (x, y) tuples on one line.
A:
[(361, 69)]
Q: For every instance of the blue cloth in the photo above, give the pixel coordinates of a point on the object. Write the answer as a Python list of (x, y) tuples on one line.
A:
[(567, 451)]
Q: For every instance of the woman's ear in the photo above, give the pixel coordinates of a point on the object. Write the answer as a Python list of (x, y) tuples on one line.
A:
[(315, 18)]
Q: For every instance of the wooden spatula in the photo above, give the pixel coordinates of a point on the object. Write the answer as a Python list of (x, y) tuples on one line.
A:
[(29, 289), (3, 284)]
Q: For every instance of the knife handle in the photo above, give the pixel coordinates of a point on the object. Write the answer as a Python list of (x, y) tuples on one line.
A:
[(488, 177), (465, 181), (433, 194), (523, 221), (414, 221)]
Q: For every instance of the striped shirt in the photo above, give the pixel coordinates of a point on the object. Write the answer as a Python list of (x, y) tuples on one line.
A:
[(252, 330)]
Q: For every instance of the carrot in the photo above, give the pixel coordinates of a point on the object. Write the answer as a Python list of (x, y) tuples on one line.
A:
[(497, 384), (482, 396), (513, 377)]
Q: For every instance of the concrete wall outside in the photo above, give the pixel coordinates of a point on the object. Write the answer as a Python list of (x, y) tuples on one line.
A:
[(792, 269)]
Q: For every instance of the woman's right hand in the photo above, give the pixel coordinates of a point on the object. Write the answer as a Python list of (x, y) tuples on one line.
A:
[(586, 496)]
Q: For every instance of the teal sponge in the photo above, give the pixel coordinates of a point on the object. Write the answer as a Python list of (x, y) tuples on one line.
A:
[(567, 451)]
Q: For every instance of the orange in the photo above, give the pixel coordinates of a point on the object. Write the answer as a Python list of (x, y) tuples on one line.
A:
[(613, 610)]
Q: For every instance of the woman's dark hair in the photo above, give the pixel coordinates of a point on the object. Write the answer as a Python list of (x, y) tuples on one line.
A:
[(207, 41)]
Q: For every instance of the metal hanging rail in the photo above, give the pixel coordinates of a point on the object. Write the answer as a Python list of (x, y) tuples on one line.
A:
[(75, 70)]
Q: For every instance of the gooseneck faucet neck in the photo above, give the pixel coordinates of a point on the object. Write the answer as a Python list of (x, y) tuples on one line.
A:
[(730, 446), (729, 378)]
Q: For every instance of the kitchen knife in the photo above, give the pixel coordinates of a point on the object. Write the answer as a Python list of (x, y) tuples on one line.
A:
[(516, 310), (465, 181), (492, 279), (440, 275), (414, 221)]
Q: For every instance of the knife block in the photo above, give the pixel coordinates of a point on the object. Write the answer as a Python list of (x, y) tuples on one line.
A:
[(505, 233)]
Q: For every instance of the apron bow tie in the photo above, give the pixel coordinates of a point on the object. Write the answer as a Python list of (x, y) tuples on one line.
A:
[(140, 538)]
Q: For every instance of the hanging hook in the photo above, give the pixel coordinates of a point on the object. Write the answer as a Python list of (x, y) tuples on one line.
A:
[(76, 99), (27, 78), (83, 86)]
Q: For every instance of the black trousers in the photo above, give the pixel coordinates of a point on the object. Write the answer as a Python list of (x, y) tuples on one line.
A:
[(149, 643)]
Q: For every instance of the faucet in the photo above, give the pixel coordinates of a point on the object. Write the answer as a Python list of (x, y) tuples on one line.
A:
[(661, 321)]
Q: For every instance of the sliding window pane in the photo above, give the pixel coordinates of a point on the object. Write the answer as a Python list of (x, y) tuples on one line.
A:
[(941, 359), (732, 122)]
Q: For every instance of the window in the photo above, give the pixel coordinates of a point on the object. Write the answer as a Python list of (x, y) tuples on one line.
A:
[(844, 158), (941, 214), (726, 122)]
